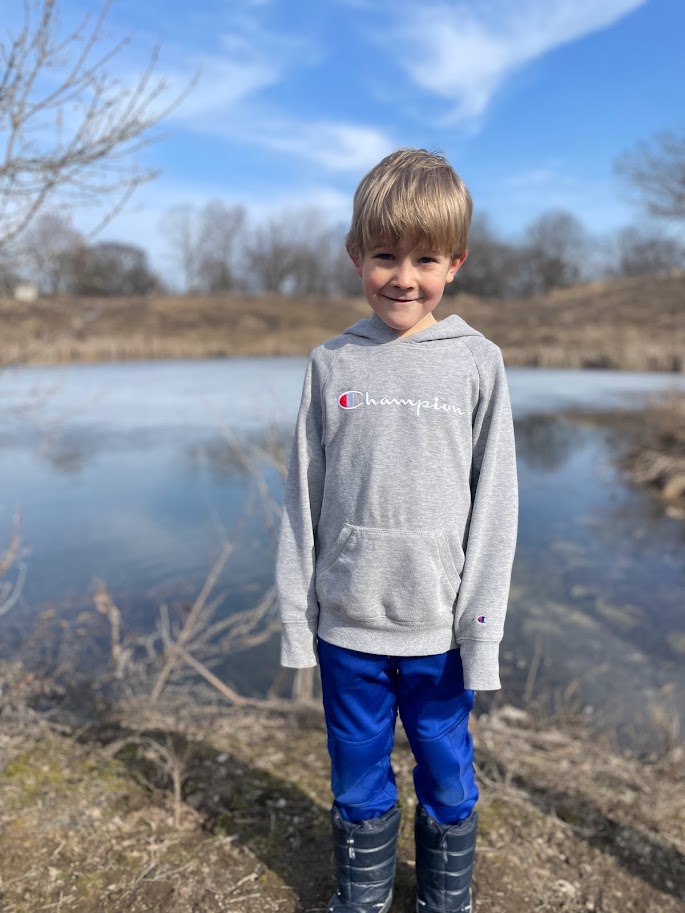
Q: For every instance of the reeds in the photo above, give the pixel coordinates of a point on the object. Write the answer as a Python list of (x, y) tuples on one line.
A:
[(628, 324)]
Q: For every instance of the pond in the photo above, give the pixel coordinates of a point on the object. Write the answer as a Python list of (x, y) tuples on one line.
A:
[(132, 474)]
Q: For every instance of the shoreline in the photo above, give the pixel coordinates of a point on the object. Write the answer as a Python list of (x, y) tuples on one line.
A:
[(649, 446), (629, 324)]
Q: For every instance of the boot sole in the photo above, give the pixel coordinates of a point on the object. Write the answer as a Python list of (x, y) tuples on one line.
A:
[(386, 906), (384, 909), (469, 909)]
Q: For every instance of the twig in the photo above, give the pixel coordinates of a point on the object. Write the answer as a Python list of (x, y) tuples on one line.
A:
[(533, 670), (191, 621)]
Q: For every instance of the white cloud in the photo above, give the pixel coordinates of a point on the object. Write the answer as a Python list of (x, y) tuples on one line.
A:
[(464, 53), (228, 100), (251, 59), (221, 85), (336, 146)]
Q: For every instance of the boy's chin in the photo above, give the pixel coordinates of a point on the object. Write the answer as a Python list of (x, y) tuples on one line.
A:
[(406, 326)]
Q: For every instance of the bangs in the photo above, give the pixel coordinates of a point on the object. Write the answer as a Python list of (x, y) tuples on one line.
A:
[(412, 195), (434, 231)]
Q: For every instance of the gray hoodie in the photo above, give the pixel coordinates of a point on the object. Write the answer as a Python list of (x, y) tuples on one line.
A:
[(401, 504)]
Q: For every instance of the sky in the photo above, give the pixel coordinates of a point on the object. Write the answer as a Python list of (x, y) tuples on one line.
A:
[(532, 101)]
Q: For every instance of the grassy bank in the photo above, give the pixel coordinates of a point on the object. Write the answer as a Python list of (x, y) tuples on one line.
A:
[(649, 444), (89, 820), (631, 324)]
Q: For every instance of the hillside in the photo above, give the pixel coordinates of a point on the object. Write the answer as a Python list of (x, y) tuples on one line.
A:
[(630, 324), (88, 820)]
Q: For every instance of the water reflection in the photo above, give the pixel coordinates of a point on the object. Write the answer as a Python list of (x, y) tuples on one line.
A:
[(69, 454), (143, 497), (547, 442), (230, 458)]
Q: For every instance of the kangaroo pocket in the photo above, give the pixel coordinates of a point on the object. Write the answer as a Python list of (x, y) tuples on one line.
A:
[(407, 576)]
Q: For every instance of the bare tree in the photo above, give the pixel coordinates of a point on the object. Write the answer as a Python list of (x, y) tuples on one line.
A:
[(644, 252), (108, 268), (556, 244), (180, 227), (655, 171), (493, 268), (344, 278), (44, 248), (293, 253), (219, 235), (270, 255), (314, 243), (9, 276), (68, 126)]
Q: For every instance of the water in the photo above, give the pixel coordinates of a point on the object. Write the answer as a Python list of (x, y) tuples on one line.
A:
[(126, 473)]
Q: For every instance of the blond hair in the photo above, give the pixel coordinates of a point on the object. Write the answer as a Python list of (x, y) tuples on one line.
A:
[(415, 194)]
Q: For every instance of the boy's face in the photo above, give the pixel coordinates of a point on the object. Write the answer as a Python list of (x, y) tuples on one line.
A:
[(404, 282)]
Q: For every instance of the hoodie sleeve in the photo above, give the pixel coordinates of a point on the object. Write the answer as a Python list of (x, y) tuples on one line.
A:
[(295, 557), (491, 540)]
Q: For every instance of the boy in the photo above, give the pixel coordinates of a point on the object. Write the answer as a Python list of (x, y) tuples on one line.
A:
[(398, 537)]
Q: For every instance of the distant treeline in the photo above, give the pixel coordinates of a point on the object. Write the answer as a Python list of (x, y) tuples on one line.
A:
[(215, 249)]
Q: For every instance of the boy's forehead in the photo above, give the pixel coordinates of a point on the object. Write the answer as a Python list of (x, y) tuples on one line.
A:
[(406, 242)]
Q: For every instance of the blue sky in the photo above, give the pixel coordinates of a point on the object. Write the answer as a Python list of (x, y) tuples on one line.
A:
[(532, 101)]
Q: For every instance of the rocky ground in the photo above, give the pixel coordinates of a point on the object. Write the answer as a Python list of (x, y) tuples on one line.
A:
[(187, 808)]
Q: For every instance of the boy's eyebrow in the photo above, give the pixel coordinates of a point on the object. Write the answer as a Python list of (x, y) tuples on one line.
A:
[(425, 250), (426, 246)]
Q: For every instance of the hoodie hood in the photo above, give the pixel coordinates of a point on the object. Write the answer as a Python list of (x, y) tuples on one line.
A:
[(377, 331)]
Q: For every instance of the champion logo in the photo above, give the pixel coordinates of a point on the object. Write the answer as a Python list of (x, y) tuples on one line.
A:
[(482, 619), (352, 399)]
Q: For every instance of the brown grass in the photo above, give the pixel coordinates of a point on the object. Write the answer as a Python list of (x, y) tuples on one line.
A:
[(629, 324), (650, 445), (89, 823)]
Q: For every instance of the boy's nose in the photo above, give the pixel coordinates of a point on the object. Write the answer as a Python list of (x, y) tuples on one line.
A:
[(404, 274)]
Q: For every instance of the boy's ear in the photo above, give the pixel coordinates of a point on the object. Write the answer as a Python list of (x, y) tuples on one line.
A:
[(355, 259), (455, 265)]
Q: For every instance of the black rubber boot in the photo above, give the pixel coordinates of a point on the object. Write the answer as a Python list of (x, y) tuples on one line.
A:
[(444, 863), (365, 854)]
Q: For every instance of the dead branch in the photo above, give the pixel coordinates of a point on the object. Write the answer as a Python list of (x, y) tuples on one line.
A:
[(165, 757), (190, 624), (12, 557), (68, 126), (121, 657), (242, 630)]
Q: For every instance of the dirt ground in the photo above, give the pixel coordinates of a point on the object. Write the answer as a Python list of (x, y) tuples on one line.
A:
[(90, 821)]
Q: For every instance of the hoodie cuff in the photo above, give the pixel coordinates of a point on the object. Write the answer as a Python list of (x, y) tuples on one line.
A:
[(480, 661), (298, 646)]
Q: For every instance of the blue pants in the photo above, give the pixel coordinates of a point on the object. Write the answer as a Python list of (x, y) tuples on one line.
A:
[(362, 693)]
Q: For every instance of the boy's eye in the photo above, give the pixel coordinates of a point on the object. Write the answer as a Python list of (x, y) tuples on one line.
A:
[(383, 255), (428, 259)]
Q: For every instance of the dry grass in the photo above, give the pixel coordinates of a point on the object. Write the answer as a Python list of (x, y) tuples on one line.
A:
[(88, 820), (636, 324), (649, 444)]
